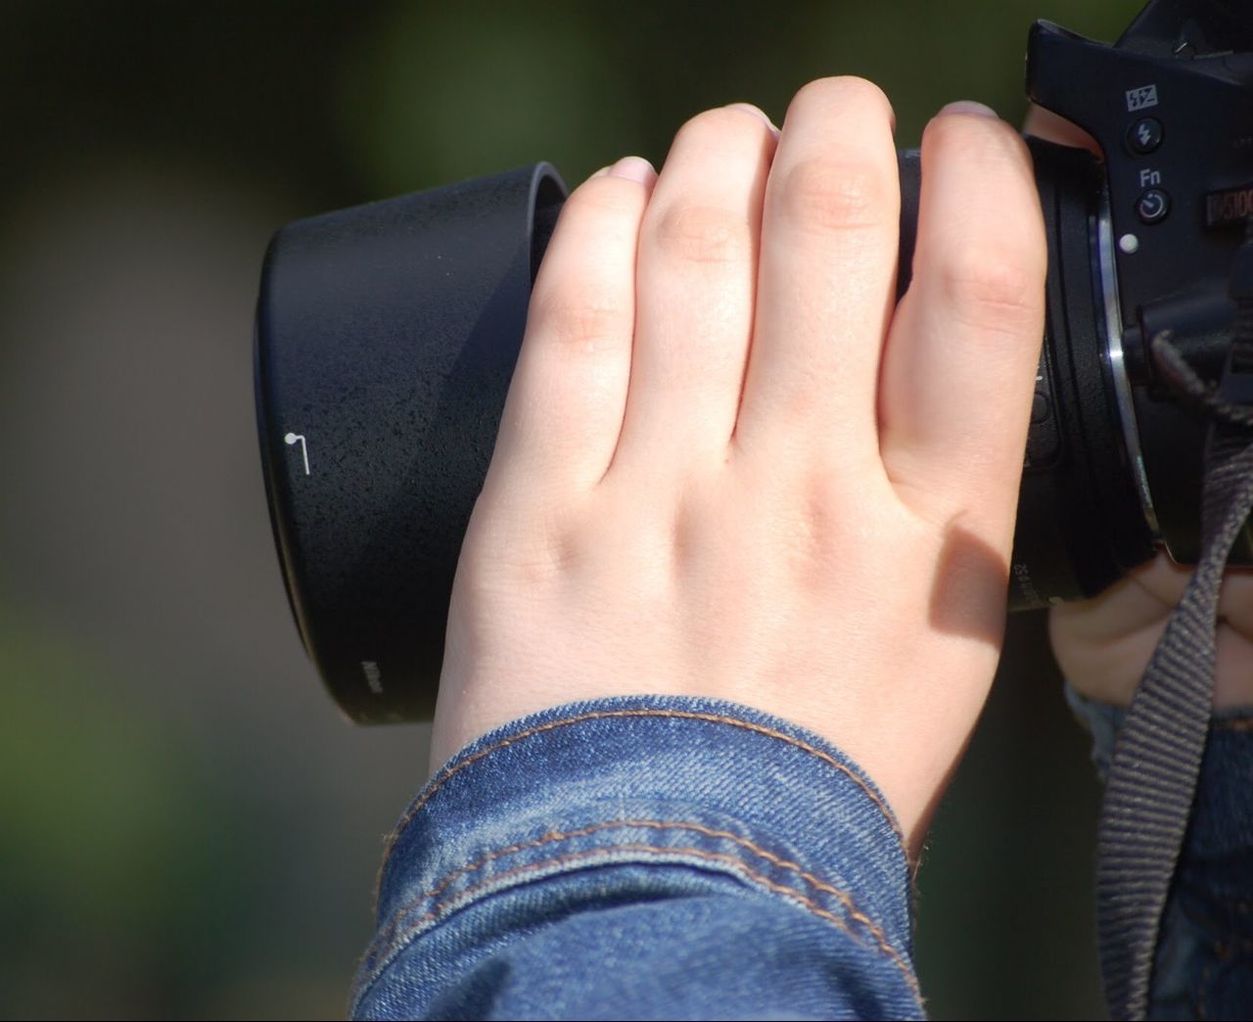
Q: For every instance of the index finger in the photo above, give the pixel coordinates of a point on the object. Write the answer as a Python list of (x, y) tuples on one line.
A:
[(962, 354)]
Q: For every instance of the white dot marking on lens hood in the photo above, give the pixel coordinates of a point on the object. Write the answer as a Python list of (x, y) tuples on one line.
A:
[(292, 438)]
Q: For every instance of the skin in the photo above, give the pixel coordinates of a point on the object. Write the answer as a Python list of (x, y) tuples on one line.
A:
[(731, 466), (1103, 645)]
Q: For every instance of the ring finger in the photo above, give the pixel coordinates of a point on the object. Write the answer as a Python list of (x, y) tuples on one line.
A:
[(696, 286)]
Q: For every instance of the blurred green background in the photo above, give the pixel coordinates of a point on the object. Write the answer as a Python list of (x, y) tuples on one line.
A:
[(187, 828)]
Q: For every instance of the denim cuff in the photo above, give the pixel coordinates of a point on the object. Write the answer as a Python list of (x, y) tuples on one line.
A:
[(730, 794)]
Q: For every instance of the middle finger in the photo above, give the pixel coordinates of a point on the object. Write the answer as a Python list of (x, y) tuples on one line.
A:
[(826, 283)]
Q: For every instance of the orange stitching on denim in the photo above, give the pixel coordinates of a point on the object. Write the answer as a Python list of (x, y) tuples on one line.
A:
[(466, 896), (1234, 724), (450, 772), (843, 897)]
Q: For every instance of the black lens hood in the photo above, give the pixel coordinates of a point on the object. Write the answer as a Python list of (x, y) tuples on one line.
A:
[(386, 336)]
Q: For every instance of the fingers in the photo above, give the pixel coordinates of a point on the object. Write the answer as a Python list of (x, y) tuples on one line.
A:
[(647, 336), (1104, 644), (1145, 598), (828, 262), (564, 411), (961, 356), (696, 282)]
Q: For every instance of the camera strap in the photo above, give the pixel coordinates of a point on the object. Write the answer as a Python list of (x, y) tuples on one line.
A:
[(1157, 757)]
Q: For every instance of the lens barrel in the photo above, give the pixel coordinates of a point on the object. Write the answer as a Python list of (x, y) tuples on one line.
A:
[(386, 337)]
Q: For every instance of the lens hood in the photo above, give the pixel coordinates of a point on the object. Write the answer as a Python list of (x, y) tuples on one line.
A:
[(386, 336)]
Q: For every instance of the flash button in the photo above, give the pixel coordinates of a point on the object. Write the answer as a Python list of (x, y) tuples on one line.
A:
[(1145, 136)]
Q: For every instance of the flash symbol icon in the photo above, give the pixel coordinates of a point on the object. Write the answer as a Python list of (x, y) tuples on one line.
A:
[(1145, 136)]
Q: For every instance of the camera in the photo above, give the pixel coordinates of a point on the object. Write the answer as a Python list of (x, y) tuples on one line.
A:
[(386, 335)]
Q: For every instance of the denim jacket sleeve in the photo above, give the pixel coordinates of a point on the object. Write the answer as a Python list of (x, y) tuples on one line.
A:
[(650, 857), (1204, 961)]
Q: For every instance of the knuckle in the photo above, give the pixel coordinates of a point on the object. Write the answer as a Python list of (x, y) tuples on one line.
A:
[(817, 537), (993, 290), (579, 321), (703, 234), (534, 568), (835, 194)]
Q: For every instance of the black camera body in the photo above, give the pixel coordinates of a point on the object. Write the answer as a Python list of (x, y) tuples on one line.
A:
[(1170, 108), (386, 337)]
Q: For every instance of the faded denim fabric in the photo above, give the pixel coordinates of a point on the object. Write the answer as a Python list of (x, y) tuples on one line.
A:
[(646, 857), (687, 858), (1204, 963)]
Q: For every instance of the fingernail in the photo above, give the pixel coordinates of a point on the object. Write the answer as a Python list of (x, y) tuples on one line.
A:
[(634, 168), (969, 106), (756, 111)]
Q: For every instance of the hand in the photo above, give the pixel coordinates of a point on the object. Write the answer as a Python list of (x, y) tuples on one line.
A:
[(730, 466), (1103, 645)]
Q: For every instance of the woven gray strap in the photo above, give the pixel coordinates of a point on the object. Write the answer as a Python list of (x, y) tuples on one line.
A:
[(1153, 774)]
